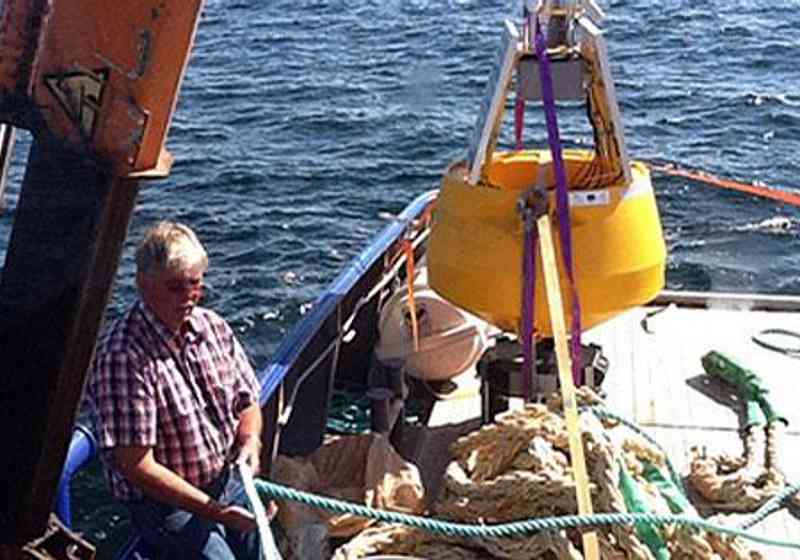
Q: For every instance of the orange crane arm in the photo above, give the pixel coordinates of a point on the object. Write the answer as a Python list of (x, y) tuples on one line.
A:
[(99, 76)]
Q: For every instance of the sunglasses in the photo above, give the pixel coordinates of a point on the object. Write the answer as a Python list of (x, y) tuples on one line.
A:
[(180, 285)]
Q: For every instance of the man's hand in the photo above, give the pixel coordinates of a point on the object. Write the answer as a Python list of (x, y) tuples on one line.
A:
[(249, 452), (248, 438), (160, 483), (235, 517), (272, 510)]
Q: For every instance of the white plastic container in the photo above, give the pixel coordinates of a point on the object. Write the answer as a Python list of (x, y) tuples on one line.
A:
[(450, 341)]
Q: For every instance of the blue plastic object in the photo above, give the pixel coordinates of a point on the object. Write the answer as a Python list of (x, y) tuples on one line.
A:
[(82, 449)]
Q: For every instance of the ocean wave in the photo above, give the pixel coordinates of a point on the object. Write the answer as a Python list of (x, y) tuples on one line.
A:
[(758, 99), (779, 225)]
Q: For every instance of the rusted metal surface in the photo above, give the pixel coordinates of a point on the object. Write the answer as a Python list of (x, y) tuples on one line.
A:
[(109, 75), (58, 543), (21, 27), (96, 82), (69, 229), (99, 76)]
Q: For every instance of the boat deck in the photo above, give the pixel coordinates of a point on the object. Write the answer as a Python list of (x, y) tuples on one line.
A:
[(656, 380)]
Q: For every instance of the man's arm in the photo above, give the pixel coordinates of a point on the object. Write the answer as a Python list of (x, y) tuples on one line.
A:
[(138, 465), (248, 437)]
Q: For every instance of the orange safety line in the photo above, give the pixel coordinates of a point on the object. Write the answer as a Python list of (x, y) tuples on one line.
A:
[(412, 308), (709, 179)]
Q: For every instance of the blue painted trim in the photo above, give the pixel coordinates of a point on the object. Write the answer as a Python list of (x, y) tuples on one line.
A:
[(82, 449), (275, 370)]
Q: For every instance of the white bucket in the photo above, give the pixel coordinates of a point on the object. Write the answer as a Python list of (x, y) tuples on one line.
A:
[(450, 339)]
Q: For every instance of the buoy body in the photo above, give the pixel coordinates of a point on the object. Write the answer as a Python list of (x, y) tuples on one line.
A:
[(475, 248)]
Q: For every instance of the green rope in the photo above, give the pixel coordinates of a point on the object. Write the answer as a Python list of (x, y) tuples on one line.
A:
[(770, 506), (271, 490), (676, 499), (635, 503), (348, 413), (758, 338), (603, 412)]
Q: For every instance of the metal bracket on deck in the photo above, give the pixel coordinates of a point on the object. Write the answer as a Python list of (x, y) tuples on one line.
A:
[(58, 543), (500, 370)]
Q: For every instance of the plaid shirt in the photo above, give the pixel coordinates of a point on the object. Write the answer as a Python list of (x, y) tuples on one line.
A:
[(181, 394)]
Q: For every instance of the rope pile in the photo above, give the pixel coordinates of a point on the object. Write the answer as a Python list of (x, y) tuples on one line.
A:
[(518, 468), (743, 483)]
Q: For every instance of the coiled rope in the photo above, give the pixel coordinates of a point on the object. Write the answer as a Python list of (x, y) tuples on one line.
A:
[(772, 505), (272, 490), (760, 339), (602, 412), (769, 507)]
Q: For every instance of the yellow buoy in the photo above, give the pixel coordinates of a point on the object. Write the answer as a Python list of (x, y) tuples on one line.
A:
[(475, 249)]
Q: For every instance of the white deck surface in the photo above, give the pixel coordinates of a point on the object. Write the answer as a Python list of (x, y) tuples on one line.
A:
[(656, 380)]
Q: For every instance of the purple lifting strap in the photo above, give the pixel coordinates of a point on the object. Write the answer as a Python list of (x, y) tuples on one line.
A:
[(562, 199), (528, 295), (519, 120)]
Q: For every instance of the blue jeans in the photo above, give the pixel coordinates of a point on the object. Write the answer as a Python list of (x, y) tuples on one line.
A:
[(176, 533)]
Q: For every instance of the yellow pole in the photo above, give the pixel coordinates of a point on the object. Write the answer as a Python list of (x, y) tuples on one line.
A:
[(552, 289)]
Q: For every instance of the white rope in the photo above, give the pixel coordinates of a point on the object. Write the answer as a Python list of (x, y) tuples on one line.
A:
[(269, 551)]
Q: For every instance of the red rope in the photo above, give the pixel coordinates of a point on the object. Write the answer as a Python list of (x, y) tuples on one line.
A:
[(701, 176), (408, 249)]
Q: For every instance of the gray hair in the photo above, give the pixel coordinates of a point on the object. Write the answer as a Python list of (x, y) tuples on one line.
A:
[(170, 246)]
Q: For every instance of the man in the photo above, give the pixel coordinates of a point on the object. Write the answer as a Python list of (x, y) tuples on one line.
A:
[(174, 402)]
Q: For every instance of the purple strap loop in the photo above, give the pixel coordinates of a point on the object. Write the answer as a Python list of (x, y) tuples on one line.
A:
[(530, 240), (519, 120), (562, 198)]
